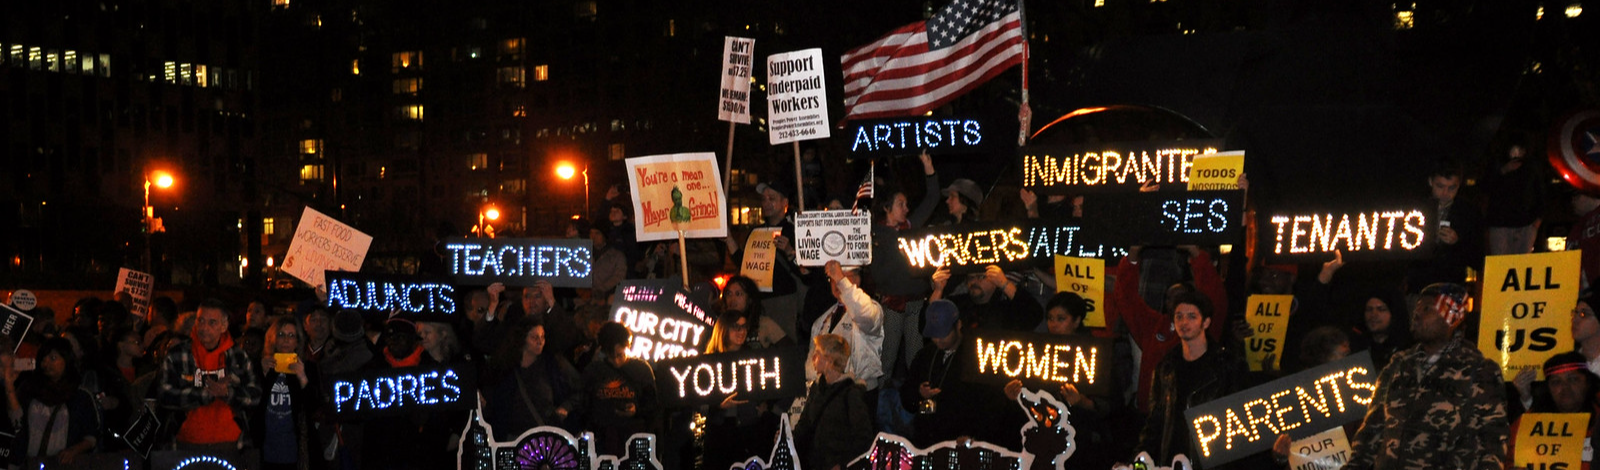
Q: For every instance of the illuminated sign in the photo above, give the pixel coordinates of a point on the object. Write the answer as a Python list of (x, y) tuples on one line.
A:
[(403, 390), (416, 296), (754, 374), (519, 261), (1070, 240), (966, 246), (1110, 167), (666, 322), (1299, 405), (141, 434), (1040, 359), (189, 460), (913, 135), (1314, 235), (1169, 218), (547, 447)]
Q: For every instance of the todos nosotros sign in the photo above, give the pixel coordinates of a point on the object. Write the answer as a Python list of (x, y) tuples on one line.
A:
[(1040, 359), (403, 390), (666, 322), (1120, 167), (519, 261), (1169, 217), (417, 297), (754, 374), (908, 135), (1300, 405)]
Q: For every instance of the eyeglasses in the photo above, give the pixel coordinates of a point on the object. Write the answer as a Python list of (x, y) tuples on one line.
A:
[(288, 334)]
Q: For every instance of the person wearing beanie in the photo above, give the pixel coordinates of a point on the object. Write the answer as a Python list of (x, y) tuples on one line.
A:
[(945, 406)]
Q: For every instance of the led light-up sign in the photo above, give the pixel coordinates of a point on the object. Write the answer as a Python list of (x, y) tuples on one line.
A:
[(519, 261), (1314, 235), (141, 434), (404, 390), (665, 320), (1170, 217), (757, 374), (913, 135), (966, 247), (1046, 240), (1122, 167), (1044, 360), (1299, 405), (417, 297), (547, 447), (186, 460)]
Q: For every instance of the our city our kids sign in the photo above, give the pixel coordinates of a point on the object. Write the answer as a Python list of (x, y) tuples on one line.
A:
[(666, 323), (1300, 405), (684, 186), (1526, 300)]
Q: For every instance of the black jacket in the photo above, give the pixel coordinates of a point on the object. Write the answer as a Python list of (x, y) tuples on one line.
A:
[(836, 425), (1222, 372)]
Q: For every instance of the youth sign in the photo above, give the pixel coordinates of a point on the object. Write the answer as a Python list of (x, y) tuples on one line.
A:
[(734, 102), (1042, 360), (909, 135), (323, 244), (684, 186), (1119, 167), (754, 374), (520, 261), (1169, 218), (418, 297), (797, 98), (666, 323), (1526, 300), (843, 236), (1299, 405), (404, 390)]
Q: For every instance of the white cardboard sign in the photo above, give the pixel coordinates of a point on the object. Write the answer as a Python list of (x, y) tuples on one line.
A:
[(733, 102), (797, 97), (324, 244), (843, 236), (138, 286)]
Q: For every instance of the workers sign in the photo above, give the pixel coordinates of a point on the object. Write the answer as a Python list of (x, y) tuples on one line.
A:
[(679, 192), (760, 255), (1268, 316), (1299, 405), (843, 236), (1551, 441), (1526, 300), (1085, 277), (1217, 171)]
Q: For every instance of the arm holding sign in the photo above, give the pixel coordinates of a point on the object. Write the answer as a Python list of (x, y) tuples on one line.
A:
[(1210, 284), (866, 312), (930, 195)]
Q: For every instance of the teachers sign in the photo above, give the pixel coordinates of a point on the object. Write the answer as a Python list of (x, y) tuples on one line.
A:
[(678, 192)]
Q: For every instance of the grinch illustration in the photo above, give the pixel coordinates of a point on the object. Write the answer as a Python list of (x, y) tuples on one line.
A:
[(679, 214)]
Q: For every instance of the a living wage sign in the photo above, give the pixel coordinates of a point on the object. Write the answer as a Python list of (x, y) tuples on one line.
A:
[(665, 320), (424, 298), (403, 390), (519, 261), (1040, 360), (1300, 405), (754, 374), (1110, 167)]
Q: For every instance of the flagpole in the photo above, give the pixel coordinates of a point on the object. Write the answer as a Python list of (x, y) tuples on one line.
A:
[(1025, 113), (727, 170)]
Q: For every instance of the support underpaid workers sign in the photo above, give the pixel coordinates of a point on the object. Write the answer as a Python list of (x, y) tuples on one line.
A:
[(1526, 300)]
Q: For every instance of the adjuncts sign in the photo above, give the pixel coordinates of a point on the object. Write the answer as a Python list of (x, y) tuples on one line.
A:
[(417, 297), (1299, 405), (520, 261), (403, 390), (754, 374), (1039, 359), (1110, 167)]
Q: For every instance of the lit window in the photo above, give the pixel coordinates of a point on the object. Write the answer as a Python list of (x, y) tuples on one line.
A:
[(407, 86), (519, 110), (616, 152), (407, 60), (52, 61), (478, 161), (1099, 3), (200, 76), (171, 71), (268, 226), (17, 56), (311, 173), (672, 28), (511, 48), (69, 61), (586, 10), (1403, 20), (185, 74), (541, 73), (311, 146), (1574, 10), (513, 186), (105, 65), (412, 112), (280, 3), (513, 76), (35, 58), (355, 67)]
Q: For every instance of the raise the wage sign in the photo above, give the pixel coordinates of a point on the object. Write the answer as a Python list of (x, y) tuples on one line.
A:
[(1300, 405), (754, 374), (403, 390), (666, 322), (519, 261), (417, 297), (1526, 305)]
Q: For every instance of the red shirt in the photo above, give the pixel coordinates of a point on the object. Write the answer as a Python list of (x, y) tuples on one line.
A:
[(1152, 330)]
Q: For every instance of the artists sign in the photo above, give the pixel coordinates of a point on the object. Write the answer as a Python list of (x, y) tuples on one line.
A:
[(1314, 235), (1040, 359), (404, 390), (1170, 217), (416, 297), (666, 322), (911, 135), (1300, 405), (1120, 167), (519, 261), (754, 374)]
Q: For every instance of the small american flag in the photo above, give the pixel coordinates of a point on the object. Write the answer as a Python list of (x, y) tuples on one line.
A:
[(924, 65), (865, 190)]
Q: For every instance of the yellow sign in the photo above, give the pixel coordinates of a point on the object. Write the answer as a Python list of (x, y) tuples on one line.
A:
[(1550, 440), (1526, 300), (1218, 171), (1268, 316), (760, 255), (1087, 278), (679, 192), (1327, 450)]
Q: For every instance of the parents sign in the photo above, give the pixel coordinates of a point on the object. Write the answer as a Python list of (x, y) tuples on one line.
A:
[(684, 184), (520, 261), (1299, 405)]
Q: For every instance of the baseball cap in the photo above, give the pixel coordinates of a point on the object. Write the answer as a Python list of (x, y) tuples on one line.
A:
[(941, 316), (776, 185), (967, 188)]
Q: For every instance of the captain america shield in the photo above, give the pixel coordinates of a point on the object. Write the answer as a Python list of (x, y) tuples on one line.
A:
[(1575, 150)]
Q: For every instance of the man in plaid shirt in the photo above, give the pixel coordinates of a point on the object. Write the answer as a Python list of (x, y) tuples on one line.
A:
[(210, 383)]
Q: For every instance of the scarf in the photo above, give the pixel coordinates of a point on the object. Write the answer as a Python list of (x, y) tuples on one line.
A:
[(212, 422), (408, 361)]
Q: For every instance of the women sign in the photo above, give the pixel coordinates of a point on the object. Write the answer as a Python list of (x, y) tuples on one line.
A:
[(686, 185)]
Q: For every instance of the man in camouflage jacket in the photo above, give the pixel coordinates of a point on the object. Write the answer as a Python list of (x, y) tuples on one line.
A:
[(1440, 404)]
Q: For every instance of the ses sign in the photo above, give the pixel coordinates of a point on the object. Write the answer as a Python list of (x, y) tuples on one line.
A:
[(519, 261), (1169, 218), (909, 135), (1315, 236), (1300, 405), (1042, 360), (403, 390), (666, 322), (417, 296), (1110, 167), (755, 374)]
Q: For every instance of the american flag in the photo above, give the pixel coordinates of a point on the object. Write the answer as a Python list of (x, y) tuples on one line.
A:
[(865, 190), (924, 65)]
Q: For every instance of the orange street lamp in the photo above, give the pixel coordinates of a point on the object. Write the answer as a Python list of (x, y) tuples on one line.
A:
[(162, 180), (566, 171), (488, 214)]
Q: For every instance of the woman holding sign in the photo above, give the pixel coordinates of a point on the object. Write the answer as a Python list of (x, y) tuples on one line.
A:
[(283, 418)]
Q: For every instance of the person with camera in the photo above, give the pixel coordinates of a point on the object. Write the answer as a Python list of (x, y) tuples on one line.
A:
[(946, 407)]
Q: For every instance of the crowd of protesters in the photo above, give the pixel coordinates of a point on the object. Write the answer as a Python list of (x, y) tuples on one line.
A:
[(886, 349)]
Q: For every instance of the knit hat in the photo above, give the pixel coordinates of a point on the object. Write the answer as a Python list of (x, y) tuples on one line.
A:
[(348, 326)]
